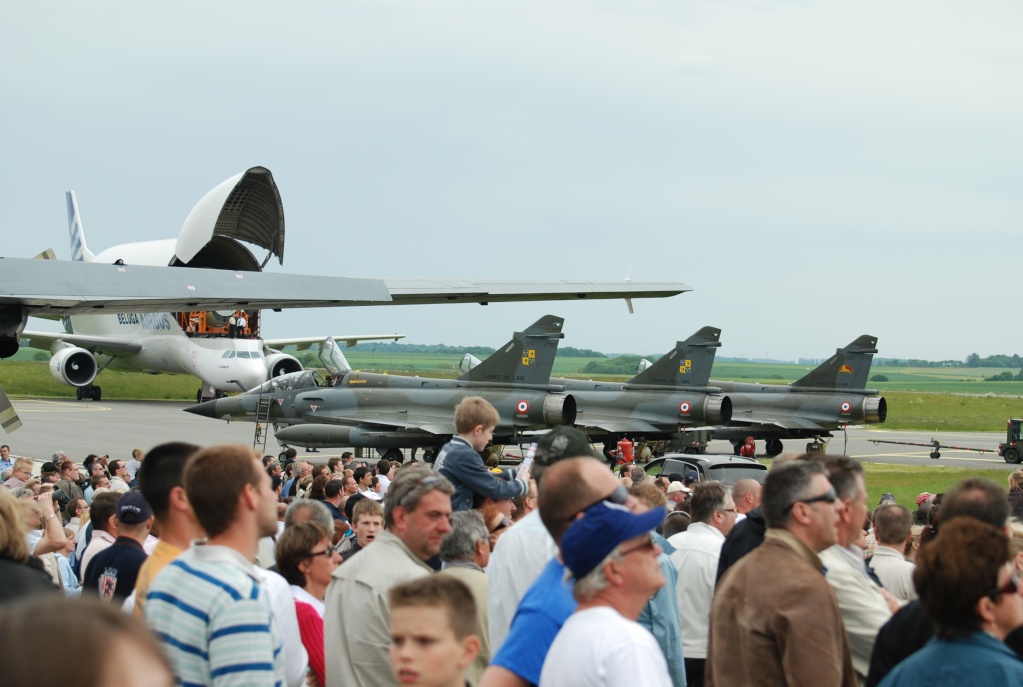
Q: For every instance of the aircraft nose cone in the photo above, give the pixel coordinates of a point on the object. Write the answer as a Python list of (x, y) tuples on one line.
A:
[(204, 409)]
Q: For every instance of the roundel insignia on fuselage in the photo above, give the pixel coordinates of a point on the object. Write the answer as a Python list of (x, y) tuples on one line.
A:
[(522, 407)]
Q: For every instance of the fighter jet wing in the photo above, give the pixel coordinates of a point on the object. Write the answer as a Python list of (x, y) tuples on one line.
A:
[(422, 291), (95, 344), (399, 419), (783, 423), (616, 425), (304, 343)]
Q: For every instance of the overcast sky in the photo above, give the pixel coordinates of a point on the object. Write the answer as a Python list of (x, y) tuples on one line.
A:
[(813, 170)]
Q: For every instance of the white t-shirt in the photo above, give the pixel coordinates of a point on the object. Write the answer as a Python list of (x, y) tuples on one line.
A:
[(599, 648)]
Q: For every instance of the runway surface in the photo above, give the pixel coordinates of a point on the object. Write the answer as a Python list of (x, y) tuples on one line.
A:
[(116, 427)]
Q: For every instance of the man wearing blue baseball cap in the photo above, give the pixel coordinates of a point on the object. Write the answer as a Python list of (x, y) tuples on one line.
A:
[(612, 557)]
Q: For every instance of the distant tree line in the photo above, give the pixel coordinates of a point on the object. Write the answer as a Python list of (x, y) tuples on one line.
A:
[(972, 360), (621, 365), (1006, 377)]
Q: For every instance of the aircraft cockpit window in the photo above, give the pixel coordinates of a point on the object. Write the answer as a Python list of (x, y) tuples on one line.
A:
[(227, 354), (243, 354)]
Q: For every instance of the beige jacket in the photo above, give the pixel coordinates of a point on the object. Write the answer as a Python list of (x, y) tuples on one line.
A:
[(357, 622)]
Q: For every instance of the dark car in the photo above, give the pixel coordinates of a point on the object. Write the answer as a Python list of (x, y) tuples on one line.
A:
[(726, 469)]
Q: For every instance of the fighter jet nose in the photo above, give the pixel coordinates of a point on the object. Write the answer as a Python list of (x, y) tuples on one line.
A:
[(204, 409)]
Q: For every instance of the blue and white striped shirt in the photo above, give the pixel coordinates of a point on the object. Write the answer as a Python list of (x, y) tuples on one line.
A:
[(213, 620)]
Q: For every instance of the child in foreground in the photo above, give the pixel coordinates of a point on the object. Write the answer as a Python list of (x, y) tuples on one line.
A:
[(433, 632)]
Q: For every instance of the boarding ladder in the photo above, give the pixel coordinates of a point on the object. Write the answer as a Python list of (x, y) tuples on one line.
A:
[(262, 422)]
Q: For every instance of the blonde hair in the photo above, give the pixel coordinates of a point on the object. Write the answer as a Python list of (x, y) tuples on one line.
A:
[(1015, 539), (473, 411), (12, 527), (1016, 480)]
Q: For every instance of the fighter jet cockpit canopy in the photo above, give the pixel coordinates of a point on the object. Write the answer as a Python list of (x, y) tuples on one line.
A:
[(306, 379), (247, 207)]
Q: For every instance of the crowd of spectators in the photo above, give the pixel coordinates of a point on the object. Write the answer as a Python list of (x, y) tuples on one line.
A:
[(215, 566)]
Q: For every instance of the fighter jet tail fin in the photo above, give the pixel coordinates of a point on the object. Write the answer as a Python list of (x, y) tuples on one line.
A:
[(527, 359), (847, 369), (686, 365), (79, 251)]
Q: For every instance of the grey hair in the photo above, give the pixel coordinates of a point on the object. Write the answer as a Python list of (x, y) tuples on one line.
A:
[(467, 529), (784, 485), (595, 580), (410, 486), (318, 512)]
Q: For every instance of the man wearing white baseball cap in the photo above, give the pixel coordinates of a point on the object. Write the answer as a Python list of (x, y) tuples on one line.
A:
[(612, 557)]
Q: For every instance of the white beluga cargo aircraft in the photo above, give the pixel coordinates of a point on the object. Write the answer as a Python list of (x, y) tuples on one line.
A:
[(217, 346)]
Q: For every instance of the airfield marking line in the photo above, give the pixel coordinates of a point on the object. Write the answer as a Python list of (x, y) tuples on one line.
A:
[(56, 407)]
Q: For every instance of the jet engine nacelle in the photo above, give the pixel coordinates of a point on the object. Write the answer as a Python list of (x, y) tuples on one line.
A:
[(278, 364), (73, 366), (559, 409), (875, 409)]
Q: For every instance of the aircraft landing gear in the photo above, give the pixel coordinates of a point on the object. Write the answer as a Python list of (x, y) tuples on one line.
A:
[(89, 392), (395, 455), (773, 447), (737, 446), (429, 455)]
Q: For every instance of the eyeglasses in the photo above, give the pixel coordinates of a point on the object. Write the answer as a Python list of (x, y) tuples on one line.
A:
[(730, 510), (829, 496), (1011, 586), (648, 544), (313, 554)]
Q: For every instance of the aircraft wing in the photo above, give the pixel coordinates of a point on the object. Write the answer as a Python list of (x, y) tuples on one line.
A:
[(96, 344), (309, 341), (423, 291), (59, 287), (398, 419), (780, 422), (616, 425)]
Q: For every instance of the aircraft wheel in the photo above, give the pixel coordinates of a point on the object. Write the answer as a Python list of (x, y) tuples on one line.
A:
[(774, 447), (395, 455), (78, 393), (97, 393), (1011, 455), (429, 456)]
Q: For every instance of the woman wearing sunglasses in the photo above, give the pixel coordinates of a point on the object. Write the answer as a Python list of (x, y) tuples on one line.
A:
[(306, 559), (968, 587)]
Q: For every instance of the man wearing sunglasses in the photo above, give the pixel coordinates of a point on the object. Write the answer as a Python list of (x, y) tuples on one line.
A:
[(774, 619)]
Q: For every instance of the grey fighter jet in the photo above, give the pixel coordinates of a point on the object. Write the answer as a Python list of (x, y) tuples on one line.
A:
[(661, 401), (825, 400), (368, 410)]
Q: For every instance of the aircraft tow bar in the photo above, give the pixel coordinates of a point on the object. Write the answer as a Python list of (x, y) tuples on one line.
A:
[(934, 444)]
